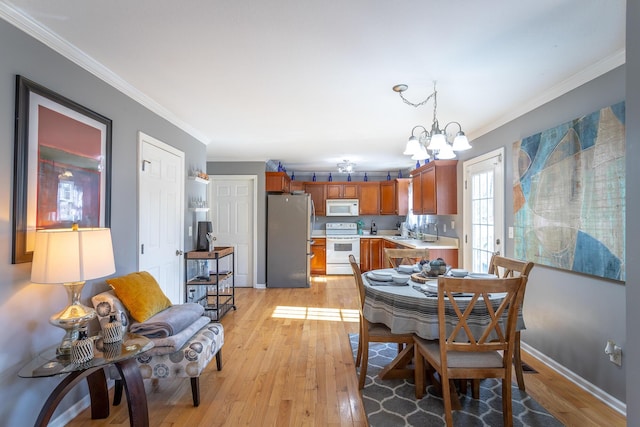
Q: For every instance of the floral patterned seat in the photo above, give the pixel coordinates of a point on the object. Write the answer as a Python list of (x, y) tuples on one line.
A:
[(159, 363)]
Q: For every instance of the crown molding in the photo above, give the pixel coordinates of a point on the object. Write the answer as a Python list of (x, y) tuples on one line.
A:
[(35, 29), (584, 76)]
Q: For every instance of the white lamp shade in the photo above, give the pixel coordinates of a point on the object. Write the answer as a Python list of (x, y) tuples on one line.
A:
[(64, 256), (422, 154), (446, 153), (461, 143), (412, 147), (438, 142)]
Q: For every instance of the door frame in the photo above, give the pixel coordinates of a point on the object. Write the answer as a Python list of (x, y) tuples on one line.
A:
[(146, 138), (254, 237), (466, 208)]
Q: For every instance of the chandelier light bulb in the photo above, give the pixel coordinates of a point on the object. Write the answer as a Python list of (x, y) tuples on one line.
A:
[(422, 154), (438, 142), (446, 153)]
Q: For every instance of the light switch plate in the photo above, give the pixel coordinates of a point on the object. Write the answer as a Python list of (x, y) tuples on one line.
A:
[(190, 231), (511, 232)]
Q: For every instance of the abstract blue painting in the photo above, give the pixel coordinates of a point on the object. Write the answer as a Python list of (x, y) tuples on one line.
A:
[(569, 195)]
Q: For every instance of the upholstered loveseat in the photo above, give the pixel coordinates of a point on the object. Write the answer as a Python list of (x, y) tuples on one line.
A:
[(185, 340)]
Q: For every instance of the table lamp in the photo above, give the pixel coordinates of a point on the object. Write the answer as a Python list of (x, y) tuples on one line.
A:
[(70, 257)]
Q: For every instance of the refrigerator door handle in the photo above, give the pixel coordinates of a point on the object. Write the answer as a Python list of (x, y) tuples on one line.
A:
[(312, 242), (311, 255)]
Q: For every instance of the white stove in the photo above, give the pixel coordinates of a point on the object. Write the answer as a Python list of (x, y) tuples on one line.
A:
[(342, 240)]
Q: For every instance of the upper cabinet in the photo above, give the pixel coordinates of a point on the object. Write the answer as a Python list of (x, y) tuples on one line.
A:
[(277, 182), (342, 191), (394, 197), (435, 188), (369, 198), (318, 196)]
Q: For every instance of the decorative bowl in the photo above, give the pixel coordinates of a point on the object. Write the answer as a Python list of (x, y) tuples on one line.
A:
[(408, 269), (458, 272), (400, 279), (382, 276)]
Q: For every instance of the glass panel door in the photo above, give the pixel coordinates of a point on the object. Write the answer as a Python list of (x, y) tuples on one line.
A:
[(483, 210)]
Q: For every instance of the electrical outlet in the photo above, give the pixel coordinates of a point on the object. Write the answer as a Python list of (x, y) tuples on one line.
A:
[(190, 231), (444, 226), (614, 352), (453, 225), (511, 232)]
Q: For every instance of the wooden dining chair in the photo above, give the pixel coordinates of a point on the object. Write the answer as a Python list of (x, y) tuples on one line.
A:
[(466, 350), (396, 257), (371, 332), (509, 267)]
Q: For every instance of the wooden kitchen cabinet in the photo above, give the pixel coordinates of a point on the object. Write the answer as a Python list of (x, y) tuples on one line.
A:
[(435, 188), (450, 256), (318, 195), (319, 260), (338, 190), (371, 254), (296, 186), (369, 198), (277, 182), (394, 197)]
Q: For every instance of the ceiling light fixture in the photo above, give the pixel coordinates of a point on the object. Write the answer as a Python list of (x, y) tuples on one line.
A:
[(436, 140), (346, 167)]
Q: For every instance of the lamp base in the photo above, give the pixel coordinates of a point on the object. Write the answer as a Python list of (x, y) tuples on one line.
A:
[(72, 318)]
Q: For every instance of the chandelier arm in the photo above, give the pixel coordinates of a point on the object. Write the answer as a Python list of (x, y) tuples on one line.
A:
[(452, 123)]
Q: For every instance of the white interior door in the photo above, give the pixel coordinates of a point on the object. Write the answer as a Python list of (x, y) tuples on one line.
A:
[(483, 207), (161, 214), (233, 217)]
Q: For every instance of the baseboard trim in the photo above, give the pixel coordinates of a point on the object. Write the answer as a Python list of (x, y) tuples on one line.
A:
[(260, 286), (602, 395)]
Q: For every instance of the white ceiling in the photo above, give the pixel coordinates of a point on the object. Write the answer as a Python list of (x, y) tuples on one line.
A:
[(308, 82)]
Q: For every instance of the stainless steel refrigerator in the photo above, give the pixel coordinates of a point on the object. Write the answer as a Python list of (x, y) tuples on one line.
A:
[(289, 240)]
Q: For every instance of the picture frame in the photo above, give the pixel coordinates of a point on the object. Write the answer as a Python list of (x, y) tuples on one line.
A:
[(62, 166)]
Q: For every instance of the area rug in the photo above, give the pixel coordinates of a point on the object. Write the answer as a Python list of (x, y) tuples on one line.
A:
[(392, 403)]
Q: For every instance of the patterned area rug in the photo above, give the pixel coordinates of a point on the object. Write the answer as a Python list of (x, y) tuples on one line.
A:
[(392, 403)]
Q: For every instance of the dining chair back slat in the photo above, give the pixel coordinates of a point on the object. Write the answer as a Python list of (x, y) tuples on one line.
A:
[(371, 332), (509, 267), (466, 350), (396, 256)]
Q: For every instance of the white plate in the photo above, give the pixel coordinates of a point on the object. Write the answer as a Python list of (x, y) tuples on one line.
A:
[(481, 276), (408, 269), (430, 287)]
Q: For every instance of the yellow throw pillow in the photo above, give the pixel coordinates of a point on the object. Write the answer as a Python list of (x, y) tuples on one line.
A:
[(140, 294)]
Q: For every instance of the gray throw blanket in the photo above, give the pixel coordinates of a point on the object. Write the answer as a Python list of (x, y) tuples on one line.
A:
[(173, 343), (168, 322)]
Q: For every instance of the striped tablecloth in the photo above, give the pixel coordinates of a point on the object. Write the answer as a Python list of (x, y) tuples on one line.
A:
[(406, 310)]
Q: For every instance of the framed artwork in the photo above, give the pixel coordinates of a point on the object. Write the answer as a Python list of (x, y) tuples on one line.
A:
[(569, 195), (62, 166)]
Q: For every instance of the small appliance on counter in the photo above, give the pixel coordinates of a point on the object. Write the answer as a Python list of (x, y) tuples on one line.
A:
[(374, 229), (205, 230)]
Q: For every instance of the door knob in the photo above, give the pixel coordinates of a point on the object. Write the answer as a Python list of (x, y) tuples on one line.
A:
[(179, 252)]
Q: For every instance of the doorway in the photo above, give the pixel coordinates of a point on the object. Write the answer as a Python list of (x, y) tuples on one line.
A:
[(483, 207), (161, 174), (232, 201)]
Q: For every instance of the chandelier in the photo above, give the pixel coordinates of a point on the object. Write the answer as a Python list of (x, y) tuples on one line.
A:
[(435, 140), (346, 167)]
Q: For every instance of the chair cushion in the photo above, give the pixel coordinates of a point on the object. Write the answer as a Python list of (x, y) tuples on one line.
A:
[(140, 294), (190, 360), (460, 359)]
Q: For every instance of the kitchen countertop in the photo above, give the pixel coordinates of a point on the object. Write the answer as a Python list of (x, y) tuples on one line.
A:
[(390, 235)]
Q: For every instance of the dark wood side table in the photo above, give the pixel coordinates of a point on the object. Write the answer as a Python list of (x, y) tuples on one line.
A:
[(121, 354)]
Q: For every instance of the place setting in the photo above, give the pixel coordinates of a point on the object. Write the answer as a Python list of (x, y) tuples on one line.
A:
[(387, 277)]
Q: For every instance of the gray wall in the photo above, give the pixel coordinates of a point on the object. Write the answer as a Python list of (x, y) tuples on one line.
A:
[(631, 353), (26, 307), (569, 316)]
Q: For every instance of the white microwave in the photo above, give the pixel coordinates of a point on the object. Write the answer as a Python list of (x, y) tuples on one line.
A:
[(342, 207)]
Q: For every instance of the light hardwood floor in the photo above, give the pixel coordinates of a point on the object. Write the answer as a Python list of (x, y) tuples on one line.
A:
[(287, 362)]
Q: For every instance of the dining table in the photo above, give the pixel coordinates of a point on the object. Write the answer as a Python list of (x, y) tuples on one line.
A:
[(412, 308)]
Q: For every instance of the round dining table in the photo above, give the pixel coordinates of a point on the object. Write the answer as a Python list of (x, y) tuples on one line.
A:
[(412, 309)]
